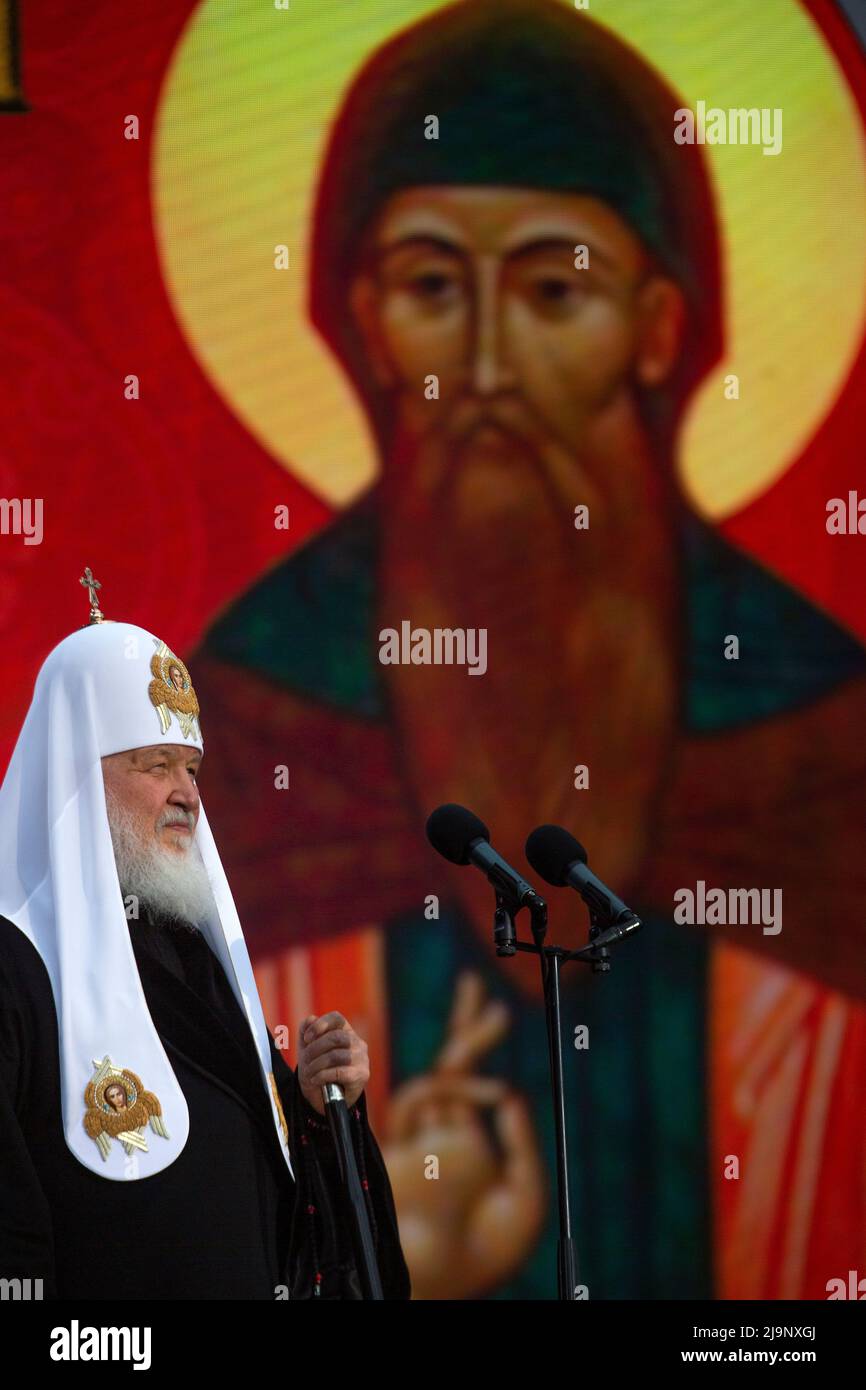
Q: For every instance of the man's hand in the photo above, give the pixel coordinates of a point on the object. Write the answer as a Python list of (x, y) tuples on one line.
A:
[(329, 1049)]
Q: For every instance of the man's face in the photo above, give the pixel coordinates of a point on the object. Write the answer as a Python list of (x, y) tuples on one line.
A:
[(479, 287), (537, 361), (157, 786)]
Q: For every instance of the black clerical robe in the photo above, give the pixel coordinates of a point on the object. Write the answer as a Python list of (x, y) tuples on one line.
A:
[(225, 1220)]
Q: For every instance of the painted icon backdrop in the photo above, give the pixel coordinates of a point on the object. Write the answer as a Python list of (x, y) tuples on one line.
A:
[(318, 324)]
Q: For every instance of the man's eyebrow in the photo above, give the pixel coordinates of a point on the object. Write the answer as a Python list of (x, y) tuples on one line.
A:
[(165, 750), (426, 241), (429, 241), (559, 243)]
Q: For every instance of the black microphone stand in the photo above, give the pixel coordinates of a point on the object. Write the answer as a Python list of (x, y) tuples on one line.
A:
[(552, 958), (365, 1251)]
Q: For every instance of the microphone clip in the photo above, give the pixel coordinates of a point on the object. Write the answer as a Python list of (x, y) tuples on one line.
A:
[(504, 930)]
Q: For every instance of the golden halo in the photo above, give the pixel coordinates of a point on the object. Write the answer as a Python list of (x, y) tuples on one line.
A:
[(240, 132)]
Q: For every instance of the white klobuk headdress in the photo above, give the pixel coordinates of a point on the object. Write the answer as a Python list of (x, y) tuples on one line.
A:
[(107, 688)]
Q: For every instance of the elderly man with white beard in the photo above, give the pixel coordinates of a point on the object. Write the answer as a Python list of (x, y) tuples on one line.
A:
[(156, 857), (132, 1040)]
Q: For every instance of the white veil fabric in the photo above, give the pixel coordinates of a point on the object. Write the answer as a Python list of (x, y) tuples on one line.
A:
[(104, 689)]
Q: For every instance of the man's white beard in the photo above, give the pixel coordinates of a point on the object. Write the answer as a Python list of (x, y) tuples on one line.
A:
[(168, 884)]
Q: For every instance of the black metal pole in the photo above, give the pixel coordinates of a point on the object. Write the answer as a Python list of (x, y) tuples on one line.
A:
[(551, 959), (566, 1254), (505, 939)]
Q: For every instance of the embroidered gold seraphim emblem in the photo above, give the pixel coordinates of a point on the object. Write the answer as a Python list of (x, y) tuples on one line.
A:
[(172, 693), (119, 1108), (276, 1095)]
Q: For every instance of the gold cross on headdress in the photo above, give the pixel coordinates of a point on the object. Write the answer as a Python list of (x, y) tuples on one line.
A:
[(91, 585)]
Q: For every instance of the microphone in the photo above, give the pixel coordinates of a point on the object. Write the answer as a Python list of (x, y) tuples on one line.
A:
[(459, 836), (560, 859)]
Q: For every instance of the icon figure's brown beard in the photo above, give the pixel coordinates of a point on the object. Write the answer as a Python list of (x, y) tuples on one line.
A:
[(582, 640)]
